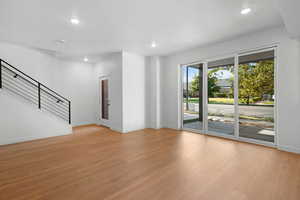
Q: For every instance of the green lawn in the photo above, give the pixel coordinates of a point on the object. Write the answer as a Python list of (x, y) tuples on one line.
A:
[(225, 101), (221, 101)]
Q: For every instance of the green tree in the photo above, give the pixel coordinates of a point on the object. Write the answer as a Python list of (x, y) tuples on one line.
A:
[(255, 80), (212, 86), (194, 86)]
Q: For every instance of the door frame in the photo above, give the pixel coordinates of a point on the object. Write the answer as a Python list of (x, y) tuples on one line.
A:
[(203, 96), (104, 122), (259, 50), (236, 106)]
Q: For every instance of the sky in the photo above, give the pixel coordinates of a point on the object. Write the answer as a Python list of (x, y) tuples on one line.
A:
[(222, 74)]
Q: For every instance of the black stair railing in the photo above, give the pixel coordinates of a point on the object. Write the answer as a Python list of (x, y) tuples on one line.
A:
[(32, 90)]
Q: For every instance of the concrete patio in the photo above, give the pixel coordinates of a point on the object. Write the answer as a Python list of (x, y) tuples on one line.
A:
[(260, 130)]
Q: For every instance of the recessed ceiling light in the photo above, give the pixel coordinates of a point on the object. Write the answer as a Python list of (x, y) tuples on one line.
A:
[(245, 11), (60, 41), (85, 59), (74, 21), (153, 44)]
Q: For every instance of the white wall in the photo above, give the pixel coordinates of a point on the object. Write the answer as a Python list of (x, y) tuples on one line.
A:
[(289, 95), (22, 121), (126, 72), (289, 11), (133, 79), (110, 65), (73, 80), (288, 80), (153, 93)]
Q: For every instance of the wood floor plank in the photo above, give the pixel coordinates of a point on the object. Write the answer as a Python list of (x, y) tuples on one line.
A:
[(97, 163)]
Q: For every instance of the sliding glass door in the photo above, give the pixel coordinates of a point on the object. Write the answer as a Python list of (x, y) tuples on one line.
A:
[(220, 93), (192, 84), (233, 96), (257, 96)]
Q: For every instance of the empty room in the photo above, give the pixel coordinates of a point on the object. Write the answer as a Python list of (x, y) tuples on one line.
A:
[(149, 100)]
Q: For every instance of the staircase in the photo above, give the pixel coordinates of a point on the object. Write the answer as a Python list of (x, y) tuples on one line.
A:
[(33, 91)]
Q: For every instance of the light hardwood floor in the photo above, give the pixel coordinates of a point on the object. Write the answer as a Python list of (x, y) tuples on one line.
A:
[(97, 163)]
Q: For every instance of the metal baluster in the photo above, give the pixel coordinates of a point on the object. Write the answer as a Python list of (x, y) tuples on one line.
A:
[(69, 112), (39, 93), (0, 74)]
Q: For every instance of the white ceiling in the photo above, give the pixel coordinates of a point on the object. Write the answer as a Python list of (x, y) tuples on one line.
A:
[(113, 25), (289, 10)]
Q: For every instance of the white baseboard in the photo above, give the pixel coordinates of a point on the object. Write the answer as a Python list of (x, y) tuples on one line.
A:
[(289, 149), (117, 130), (29, 138)]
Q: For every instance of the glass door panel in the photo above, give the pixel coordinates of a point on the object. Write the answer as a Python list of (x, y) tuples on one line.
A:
[(220, 93), (104, 99), (256, 96), (192, 84), (104, 88)]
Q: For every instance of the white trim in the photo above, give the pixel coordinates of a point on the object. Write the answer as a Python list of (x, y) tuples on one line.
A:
[(204, 96), (288, 149), (217, 58), (273, 48), (193, 130), (31, 138), (276, 137), (180, 96), (258, 50), (232, 137), (236, 96), (254, 141), (181, 115), (180, 100), (223, 135), (239, 52)]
